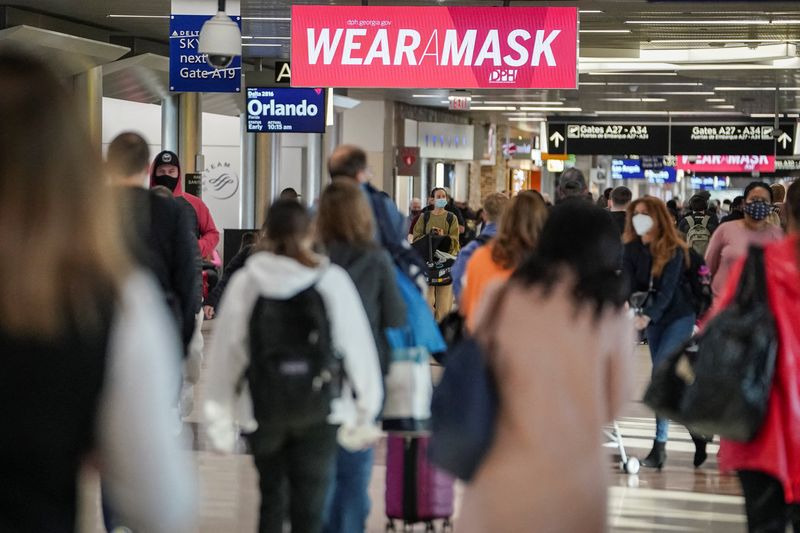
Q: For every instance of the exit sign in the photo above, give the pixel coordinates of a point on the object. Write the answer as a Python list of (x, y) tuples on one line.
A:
[(460, 103)]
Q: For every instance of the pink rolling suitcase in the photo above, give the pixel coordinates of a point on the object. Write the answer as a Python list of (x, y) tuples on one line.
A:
[(416, 491)]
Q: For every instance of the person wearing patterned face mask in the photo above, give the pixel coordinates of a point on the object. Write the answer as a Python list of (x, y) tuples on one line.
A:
[(731, 241)]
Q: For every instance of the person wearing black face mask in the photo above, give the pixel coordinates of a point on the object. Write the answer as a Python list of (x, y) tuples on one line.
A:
[(167, 173), (731, 240)]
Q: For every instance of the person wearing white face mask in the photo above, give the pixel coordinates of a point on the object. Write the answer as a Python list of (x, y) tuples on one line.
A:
[(439, 222), (655, 262)]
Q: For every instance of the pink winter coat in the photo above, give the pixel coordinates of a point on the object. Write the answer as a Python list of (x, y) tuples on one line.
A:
[(562, 374)]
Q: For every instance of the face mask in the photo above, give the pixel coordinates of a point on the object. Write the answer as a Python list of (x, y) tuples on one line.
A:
[(440, 203), (758, 209), (642, 224), (166, 181)]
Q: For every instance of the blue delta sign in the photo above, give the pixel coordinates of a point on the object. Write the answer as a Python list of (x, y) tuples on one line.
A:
[(284, 109), (189, 70)]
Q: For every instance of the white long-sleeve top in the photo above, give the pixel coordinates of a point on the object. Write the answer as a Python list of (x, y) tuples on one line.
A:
[(274, 276), (147, 475)]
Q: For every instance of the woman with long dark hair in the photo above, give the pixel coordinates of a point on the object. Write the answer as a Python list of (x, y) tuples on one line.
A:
[(561, 346), (291, 325), (346, 230), (89, 353), (655, 261), (769, 465)]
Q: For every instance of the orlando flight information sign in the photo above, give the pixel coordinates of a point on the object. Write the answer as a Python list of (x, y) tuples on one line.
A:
[(284, 109)]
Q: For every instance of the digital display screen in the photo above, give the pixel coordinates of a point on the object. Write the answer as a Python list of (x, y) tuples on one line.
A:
[(285, 110), (626, 169)]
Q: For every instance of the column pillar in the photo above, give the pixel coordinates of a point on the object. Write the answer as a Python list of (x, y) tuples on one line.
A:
[(247, 198), (88, 89), (190, 132), (312, 177), (170, 106), (266, 161)]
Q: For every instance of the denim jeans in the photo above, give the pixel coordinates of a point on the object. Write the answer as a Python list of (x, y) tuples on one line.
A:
[(663, 340), (300, 466), (348, 500)]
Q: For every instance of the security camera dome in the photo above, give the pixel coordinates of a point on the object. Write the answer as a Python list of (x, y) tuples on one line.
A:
[(221, 40)]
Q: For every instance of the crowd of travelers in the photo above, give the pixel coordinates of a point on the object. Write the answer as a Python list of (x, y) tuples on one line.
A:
[(108, 280)]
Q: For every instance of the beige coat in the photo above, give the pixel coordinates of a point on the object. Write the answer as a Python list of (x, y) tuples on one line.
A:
[(562, 376)]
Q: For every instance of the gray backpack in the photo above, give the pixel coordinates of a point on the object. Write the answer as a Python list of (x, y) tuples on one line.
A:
[(698, 235)]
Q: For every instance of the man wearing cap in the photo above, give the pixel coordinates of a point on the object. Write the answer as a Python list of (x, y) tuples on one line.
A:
[(167, 173), (571, 184)]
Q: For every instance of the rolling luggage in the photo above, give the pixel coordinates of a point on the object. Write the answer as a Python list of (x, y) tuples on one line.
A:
[(416, 491)]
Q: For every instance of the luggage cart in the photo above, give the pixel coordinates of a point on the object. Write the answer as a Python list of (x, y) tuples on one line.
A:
[(629, 465)]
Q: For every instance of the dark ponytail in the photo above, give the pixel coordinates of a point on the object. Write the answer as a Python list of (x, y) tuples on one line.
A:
[(288, 225)]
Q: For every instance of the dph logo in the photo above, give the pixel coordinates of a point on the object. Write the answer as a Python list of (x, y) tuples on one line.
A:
[(503, 76)]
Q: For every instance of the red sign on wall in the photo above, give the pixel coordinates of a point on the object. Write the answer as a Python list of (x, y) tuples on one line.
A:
[(434, 47), (726, 163)]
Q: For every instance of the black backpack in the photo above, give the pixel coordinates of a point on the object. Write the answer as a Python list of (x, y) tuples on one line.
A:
[(294, 371), (698, 278)]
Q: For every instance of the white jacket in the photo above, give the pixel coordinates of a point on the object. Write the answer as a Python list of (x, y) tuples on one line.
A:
[(273, 276)]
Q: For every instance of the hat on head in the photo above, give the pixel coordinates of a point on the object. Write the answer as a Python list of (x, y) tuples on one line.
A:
[(166, 158), (572, 182)]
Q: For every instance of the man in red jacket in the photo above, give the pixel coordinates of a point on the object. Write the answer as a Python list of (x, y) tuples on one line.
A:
[(166, 171)]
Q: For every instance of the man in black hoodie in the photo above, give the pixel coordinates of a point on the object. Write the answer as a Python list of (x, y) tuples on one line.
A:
[(159, 233)]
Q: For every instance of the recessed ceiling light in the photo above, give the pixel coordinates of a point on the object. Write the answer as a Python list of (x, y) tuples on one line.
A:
[(716, 22), (274, 37), (631, 112), (633, 99), (491, 108), (267, 18), (632, 73), (506, 102), (137, 16), (701, 41), (264, 45), (563, 109), (589, 11), (604, 31), (684, 93), (727, 106), (715, 99)]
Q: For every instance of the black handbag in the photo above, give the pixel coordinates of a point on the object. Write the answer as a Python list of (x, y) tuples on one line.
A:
[(465, 403), (720, 382)]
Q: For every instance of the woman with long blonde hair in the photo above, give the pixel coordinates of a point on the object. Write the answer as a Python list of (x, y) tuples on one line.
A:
[(88, 352), (655, 262)]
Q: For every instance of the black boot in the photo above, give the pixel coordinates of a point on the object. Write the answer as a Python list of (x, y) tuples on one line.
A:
[(657, 456), (700, 454)]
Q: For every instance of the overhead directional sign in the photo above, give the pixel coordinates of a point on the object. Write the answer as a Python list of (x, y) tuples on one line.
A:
[(604, 138), (733, 139), (189, 70), (609, 139)]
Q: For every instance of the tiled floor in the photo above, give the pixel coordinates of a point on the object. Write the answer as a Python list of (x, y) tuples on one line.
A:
[(680, 498)]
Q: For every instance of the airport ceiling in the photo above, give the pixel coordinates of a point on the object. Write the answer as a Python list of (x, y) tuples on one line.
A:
[(638, 57)]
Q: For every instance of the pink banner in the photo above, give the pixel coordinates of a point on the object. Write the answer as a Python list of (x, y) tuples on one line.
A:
[(726, 163), (435, 47)]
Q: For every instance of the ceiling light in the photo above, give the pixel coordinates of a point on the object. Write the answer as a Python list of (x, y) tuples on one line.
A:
[(631, 112), (563, 109), (491, 108), (589, 11), (604, 31), (724, 106), (765, 115), (723, 22), (785, 89), (684, 93), (587, 83), (137, 16), (715, 99), (633, 99), (661, 84), (267, 18), (275, 37), (701, 41), (629, 73), (504, 102), (426, 96), (265, 45)]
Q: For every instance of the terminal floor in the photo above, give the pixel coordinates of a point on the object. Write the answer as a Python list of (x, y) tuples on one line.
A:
[(680, 498)]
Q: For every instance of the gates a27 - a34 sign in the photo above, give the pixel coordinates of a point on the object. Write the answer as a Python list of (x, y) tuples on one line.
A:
[(434, 47)]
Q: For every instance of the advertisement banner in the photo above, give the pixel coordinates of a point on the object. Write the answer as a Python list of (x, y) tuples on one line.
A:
[(434, 47), (189, 70), (276, 109), (726, 163)]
